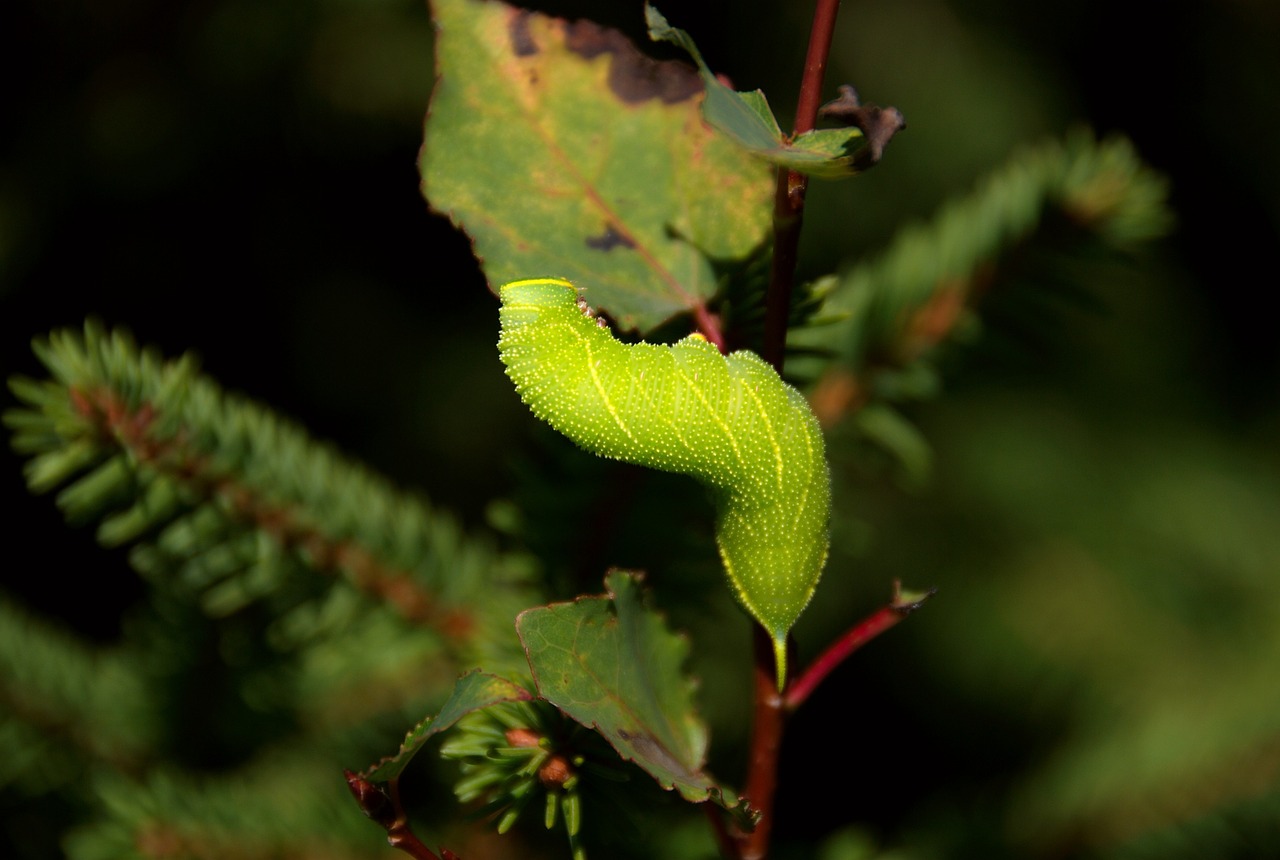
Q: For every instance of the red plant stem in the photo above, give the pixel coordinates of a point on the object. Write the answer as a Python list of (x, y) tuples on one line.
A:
[(399, 834), (788, 200), (769, 714), (815, 64), (788, 208), (766, 741), (383, 807), (709, 327), (857, 636)]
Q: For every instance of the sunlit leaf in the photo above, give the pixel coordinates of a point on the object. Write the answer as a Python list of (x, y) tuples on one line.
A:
[(562, 150)]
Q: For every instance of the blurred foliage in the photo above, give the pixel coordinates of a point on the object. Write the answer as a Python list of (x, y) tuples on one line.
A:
[(1095, 676)]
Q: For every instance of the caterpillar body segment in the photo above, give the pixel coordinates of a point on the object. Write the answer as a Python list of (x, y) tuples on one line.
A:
[(728, 421)]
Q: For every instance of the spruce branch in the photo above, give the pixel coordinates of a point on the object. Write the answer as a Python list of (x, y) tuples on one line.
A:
[(65, 702), (1069, 198), (285, 803), (218, 491)]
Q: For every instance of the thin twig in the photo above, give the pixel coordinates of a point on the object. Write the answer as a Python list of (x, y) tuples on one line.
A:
[(709, 327), (857, 636), (788, 200), (788, 208), (766, 741), (383, 807), (400, 835)]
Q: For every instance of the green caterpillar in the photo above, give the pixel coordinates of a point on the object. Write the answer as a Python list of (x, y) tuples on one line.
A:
[(728, 421)]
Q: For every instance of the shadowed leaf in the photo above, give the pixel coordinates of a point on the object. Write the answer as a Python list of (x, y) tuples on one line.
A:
[(611, 664), (473, 691)]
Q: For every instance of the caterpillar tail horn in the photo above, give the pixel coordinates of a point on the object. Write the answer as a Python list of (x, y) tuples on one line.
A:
[(780, 658)]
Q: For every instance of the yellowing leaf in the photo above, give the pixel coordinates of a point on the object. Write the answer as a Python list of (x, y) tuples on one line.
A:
[(562, 150)]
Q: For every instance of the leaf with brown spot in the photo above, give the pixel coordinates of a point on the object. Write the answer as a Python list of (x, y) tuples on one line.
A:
[(562, 150)]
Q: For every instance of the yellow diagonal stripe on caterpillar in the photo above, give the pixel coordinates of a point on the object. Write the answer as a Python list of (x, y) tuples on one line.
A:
[(728, 421)]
